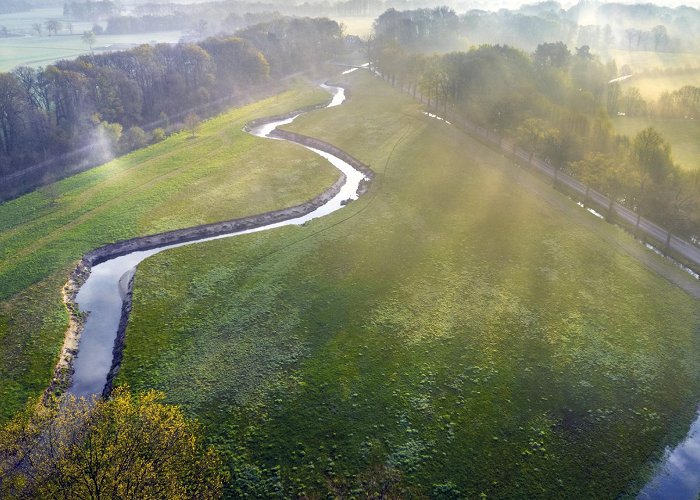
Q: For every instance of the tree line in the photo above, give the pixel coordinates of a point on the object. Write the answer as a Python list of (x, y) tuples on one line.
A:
[(90, 10), (601, 27), (555, 104), (95, 106), (10, 6), (120, 25), (680, 103)]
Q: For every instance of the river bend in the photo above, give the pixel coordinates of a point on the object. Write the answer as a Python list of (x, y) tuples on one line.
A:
[(104, 292)]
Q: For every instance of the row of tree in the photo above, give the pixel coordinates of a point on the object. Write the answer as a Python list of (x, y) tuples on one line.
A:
[(147, 24), (614, 25), (422, 29), (554, 103), (526, 28), (9, 6), (78, 105), (683, 103), (90, 10)]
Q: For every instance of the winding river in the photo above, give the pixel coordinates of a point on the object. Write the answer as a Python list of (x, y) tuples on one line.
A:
[(104, 292)]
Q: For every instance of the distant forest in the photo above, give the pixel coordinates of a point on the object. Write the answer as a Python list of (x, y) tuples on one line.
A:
[(10, 6), (96, 105), (601, 27), (534, 76)]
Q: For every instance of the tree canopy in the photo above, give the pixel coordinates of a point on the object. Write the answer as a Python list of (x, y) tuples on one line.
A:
[(127, 446), (555, 103), (48, 115)]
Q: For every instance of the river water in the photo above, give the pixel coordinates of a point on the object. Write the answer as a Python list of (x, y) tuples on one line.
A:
[(678, 475), (102, 295)]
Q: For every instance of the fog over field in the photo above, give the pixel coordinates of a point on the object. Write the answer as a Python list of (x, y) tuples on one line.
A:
[(349, 249)]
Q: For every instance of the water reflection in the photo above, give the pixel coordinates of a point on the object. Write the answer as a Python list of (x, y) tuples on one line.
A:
[(101, 295), (678, 477)]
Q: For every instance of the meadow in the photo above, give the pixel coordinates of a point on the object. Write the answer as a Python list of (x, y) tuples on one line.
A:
[(43, 50), (658, 72), (33, 49), (360, 26), (683, 135), (641, 60), (450, 334), (220, 174), (36, 50), (651, 86)]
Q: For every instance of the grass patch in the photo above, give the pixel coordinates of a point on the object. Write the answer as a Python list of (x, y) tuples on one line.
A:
[(652, 86), (450, 325), (683, 135), (42, 50), (356, 25), (221, 174), (640, 60)]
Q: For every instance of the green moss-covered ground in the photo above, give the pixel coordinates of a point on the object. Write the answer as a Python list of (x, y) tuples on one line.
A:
[(220, 174), (448, 334)]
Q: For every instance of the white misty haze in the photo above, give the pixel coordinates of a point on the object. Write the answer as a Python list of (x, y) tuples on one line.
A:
[(511, 4), (456, 4)]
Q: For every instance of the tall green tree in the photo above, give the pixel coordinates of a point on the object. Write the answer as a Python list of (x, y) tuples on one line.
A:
[(652, 155)]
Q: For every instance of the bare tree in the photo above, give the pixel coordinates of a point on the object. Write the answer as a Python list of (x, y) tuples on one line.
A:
[(53, 25), (192, 122), (89, 38)]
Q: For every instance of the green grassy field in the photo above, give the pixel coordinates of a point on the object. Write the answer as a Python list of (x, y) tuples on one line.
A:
[(449, 331), (360, 26), (34, 49), (221, 174), (648, 60), (652, 86), (37, 51), (21, 22), (683, 135)]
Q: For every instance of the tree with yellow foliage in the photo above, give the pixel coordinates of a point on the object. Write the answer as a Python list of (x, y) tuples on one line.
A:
[(126, 446)]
